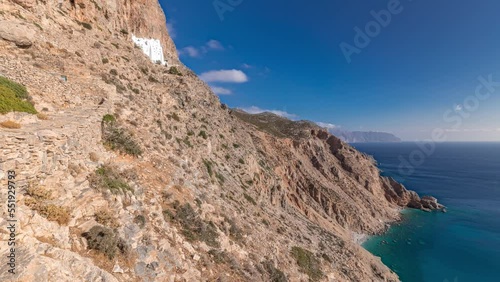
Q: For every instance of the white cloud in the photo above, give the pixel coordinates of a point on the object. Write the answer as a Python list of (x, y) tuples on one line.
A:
[(327, 125), (458, 108), (221, 90), (246, 66), (191, 51), (229, 76), (195, 52), (498, 129), (171, 30), (257, 110), (214, 45)]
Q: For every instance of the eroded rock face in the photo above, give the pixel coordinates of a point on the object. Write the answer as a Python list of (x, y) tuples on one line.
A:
[(214, 195)]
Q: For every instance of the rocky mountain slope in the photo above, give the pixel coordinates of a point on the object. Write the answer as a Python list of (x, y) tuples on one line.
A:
[(364, 136), (134, 171)]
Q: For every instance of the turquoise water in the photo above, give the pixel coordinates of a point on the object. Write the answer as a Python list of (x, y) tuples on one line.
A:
[(460, 245)]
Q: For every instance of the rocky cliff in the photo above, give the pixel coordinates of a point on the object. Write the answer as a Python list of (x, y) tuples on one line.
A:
[(134, 171)]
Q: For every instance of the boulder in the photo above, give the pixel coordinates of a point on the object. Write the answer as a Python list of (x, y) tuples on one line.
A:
[(16, 32)]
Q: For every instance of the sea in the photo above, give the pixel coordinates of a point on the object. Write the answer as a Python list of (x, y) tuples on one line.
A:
[(460, 245)]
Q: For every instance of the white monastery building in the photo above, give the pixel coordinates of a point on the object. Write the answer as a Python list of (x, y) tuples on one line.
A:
[(151, 47)]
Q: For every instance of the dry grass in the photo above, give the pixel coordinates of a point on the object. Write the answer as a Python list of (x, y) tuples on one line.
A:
[(106, 218), (42, 116), (94, 157), (37, 196), (39, 193), (55, 213), (48, 240), (10, 124)]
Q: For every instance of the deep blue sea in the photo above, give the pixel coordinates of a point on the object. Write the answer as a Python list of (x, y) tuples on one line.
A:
[(458, 246)]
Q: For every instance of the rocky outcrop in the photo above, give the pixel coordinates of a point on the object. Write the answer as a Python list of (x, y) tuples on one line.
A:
[(16, 32), (396, 193), (212, 194)]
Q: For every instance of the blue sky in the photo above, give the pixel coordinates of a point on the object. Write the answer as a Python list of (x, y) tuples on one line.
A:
[(418, 73)]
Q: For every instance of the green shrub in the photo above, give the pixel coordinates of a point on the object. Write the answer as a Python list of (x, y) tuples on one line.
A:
[(175, 71), (113, 80), (117, 138), (249, 198), (168, 215), (14, 97), (203, 134), (275, 275), (218, 256), (18, 89), (108, 118), (234, 231), (113, 72), (105, 60), (307, 263), (208, 165), (174, 116), (236, 146), (105, 240), (85, 25), (220, 177), (39, 26), (241, 161), (140, 220), (153, 79), (107, 178), (187, 142), (195, 229)]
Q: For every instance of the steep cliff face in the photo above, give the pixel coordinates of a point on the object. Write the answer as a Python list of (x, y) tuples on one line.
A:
[(132, 171), (143, 18)]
